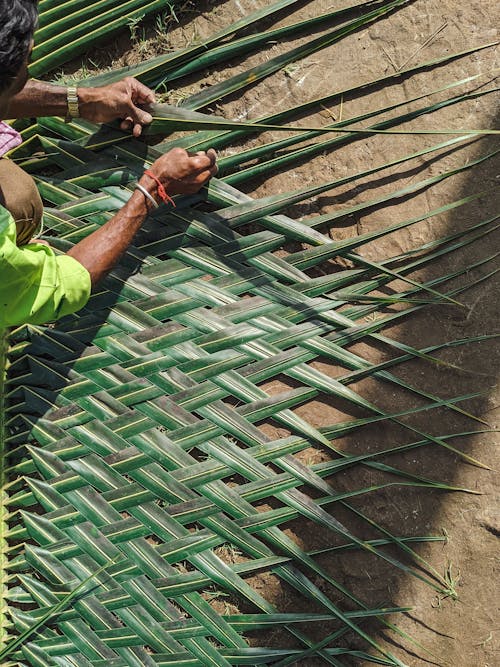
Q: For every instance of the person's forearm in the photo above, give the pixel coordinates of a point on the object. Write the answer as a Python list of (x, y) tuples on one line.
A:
[(177, 172), (100, 251), (39, 98)]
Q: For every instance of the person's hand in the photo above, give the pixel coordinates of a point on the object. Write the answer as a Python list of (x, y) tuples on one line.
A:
[(123, 101), (181, 172)]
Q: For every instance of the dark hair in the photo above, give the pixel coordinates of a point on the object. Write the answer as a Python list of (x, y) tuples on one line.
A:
[(18, 20)]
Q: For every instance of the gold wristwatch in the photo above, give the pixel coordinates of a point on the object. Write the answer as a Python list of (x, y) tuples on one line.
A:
[(72, 101)]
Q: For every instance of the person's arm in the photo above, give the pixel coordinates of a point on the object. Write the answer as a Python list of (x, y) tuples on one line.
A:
[(122, 100), (179, 172), (40, 286)]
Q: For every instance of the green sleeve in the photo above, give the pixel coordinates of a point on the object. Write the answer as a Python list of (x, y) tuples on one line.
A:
[(36, 285)]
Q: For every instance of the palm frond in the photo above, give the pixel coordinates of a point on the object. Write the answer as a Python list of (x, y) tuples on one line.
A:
[(141, 486)]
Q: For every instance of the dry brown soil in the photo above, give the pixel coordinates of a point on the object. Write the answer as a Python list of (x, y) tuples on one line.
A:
[(463, 632)]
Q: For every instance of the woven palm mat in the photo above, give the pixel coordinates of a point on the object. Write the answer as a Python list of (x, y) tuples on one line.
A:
[(142, 412)]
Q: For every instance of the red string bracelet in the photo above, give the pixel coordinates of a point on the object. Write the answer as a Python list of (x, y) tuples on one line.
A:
[(166, 199)]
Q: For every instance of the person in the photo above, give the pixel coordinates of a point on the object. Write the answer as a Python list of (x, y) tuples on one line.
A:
[(37, 285)]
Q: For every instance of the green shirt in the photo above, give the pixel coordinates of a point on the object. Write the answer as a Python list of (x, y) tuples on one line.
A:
[(36, 285)]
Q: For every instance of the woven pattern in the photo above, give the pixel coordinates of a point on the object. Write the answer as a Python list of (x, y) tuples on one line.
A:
[(151, 401), (138, 460), (141, 379)]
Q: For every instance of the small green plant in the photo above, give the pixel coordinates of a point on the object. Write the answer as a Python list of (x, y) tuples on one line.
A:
[(451, 581), (133, 25)]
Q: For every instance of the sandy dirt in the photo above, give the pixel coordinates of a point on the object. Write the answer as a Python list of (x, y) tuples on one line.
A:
[(463, 632)]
